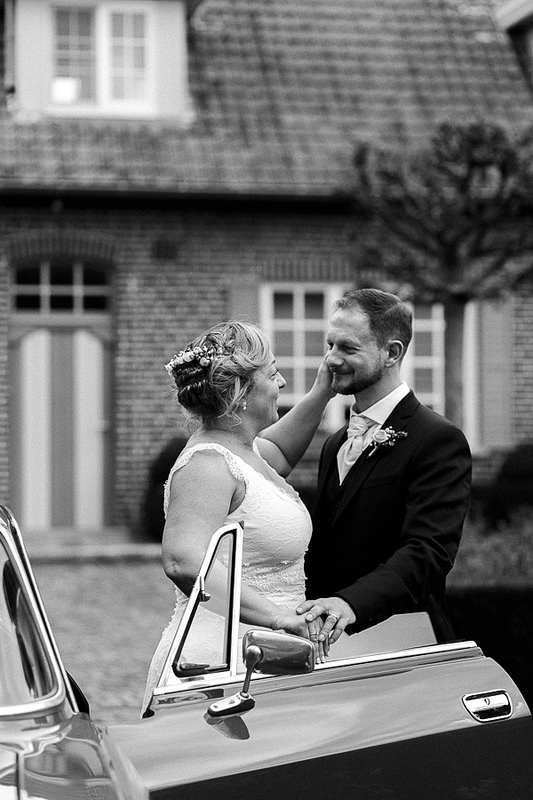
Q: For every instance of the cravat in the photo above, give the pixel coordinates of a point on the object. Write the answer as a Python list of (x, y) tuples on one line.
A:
[(352, 448)]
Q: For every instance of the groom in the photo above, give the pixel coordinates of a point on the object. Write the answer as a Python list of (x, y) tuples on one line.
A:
[(392, 489)]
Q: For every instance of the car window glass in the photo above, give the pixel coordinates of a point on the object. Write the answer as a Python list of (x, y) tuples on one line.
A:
[(25, 671), (206, 646)]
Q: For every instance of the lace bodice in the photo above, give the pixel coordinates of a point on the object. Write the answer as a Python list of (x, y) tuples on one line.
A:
[(277, 527)]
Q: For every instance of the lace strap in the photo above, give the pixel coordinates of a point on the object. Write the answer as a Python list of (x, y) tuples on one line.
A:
[(233, 462)]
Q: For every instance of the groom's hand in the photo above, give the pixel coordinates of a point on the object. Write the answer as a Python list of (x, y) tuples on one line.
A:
[(335, 612)]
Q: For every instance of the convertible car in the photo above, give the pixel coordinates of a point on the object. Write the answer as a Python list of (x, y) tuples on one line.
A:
[(391, 713)]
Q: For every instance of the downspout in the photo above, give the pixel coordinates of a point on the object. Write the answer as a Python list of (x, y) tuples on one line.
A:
[(9, 52)]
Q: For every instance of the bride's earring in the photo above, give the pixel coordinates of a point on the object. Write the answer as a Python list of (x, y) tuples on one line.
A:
[(243, 405)]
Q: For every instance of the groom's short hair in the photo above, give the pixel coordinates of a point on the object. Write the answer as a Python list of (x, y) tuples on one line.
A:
[(388, 316)]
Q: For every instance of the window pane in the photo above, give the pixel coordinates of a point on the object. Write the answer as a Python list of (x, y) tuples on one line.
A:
[(314, 343), (61, 303), (117, 25), (96, 303), (27, 302), (288, 374), (61, 275), (117, 88), (200, 654), (74, 58), (310, 375), (138, 26), (283, 343), (94, 277), (314, 305), (117, 56), (423, 311), (128, 56), (85, 25), (423, 343), (61, 286), (283, 305), (25, 670), (62, 23), (138, 58), (423, 379), (30, 276), (139, 87)]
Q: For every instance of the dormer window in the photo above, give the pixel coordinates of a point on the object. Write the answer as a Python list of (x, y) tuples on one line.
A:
[(517, 19), (112, 58), (522, 41), (101, 57)]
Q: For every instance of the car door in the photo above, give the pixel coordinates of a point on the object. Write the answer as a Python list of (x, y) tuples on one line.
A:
[(412, 720)]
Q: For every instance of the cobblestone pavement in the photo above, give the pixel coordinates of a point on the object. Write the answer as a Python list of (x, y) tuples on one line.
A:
[(107, 618)]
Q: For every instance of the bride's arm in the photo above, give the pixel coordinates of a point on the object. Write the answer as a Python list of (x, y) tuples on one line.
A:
[(283, 444), (202, 493)]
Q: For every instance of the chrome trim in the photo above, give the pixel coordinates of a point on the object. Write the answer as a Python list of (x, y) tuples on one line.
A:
[(14, 545), (205, 686), (432, 652), (492, 706), (194, 599)]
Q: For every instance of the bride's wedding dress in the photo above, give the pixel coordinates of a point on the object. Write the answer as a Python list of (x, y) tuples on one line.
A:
[(277, 530)]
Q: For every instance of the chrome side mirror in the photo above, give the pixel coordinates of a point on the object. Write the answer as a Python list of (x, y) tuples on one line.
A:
[(269, 653)]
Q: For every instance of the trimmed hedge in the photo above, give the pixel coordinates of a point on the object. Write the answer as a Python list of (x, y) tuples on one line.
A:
[(490, 595), (499, 557), (498, 618)]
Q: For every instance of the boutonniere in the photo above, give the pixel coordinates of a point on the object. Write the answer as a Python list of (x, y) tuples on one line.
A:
[(385, 437)]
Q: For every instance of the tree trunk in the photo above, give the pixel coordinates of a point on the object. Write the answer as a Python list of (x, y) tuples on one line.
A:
[(453, 360)]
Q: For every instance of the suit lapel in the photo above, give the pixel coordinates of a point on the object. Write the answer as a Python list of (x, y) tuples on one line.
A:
[(330, 455), (366, 463)]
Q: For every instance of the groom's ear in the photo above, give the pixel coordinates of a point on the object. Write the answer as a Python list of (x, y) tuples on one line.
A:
[(395, 352)]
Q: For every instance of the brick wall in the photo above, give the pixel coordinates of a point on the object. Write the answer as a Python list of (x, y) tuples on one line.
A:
[(4, 385), (523, 368), (175, 273)]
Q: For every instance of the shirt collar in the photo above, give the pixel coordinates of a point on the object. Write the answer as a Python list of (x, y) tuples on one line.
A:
[(380, 411)]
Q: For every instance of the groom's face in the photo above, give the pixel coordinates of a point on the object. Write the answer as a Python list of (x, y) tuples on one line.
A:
[(353, 354)]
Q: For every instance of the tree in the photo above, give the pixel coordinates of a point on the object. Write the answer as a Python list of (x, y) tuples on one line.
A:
[(448, 223)]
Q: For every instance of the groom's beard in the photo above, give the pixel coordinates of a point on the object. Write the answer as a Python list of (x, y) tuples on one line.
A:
[(354, 383)]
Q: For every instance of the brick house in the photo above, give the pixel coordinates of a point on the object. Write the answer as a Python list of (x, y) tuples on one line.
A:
[(165, 165)]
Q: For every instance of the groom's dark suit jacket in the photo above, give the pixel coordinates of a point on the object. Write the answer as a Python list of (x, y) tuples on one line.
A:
[(386, 538)]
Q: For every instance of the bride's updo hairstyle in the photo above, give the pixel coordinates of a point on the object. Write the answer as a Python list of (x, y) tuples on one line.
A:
[(215, 372)]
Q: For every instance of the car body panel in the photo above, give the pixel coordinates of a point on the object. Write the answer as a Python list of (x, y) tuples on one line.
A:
[(417, 769), (438, 721), (64, 760), (335, 712)]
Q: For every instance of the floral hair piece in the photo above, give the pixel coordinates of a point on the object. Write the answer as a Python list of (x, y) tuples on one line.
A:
[(201, 355)]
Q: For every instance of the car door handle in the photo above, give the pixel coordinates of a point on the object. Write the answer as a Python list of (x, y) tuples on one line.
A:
[(488, 706)]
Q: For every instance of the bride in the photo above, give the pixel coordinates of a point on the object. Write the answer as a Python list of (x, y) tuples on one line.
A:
[(233, 469)]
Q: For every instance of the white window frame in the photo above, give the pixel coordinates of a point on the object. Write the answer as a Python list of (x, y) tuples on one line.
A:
[(433, 362), (45, 290), (337, 409), (335, 414), (104, 103)]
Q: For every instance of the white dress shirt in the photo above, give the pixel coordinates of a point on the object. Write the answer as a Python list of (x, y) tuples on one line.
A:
[(377, 413)]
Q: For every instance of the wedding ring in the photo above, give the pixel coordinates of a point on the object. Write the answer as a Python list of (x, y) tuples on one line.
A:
[(334, 616)]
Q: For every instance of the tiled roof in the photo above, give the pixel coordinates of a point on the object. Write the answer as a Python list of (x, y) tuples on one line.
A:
[(282, 89)]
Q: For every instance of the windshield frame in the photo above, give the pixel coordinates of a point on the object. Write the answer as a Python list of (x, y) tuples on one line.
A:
[(11, 541)]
